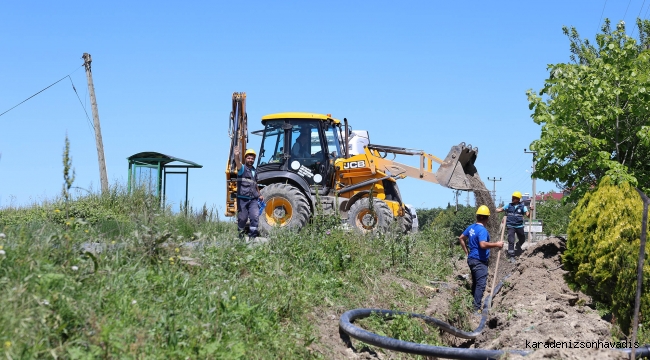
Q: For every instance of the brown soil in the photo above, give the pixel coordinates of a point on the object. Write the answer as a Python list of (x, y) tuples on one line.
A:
[(482, 197), (534, 305)]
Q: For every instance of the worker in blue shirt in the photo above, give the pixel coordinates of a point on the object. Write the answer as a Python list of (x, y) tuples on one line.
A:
[(515, 212), (477, 250), (248, 193)]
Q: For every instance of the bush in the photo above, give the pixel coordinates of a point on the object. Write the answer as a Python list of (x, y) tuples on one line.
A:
[(603, 247)]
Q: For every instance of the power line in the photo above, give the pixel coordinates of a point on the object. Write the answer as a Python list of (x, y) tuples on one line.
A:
[(54, 83), (601, 17), (628, 6), (82, 105), (514, 165), (638, 16)]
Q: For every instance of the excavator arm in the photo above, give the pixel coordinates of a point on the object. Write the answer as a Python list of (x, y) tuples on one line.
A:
[(451, 173), (238, 132)]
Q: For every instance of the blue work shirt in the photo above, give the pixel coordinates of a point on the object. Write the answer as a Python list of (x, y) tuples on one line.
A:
[(476, 233)]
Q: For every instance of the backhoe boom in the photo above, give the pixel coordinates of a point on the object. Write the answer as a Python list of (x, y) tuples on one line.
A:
[(238, 133), (452, 172)]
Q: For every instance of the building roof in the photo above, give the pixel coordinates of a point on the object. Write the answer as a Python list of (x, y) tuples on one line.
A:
[(549, 196)]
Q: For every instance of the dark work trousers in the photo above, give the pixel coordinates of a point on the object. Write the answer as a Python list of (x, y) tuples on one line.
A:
[(521, 236), (479, 279), (247, 209)]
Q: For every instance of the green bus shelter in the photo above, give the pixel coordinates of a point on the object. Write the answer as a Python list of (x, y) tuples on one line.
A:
[(151, 169)]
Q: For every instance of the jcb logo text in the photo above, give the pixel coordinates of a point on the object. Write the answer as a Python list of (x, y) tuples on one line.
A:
[(354, 165)]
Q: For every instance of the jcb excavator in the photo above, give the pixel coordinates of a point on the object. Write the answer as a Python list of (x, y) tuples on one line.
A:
[(302, 162)]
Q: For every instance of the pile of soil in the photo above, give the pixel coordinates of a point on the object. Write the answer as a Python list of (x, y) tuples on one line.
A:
[(535, 306), (533, 309)]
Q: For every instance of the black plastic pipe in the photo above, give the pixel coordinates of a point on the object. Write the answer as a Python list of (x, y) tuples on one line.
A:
[(345, 324)]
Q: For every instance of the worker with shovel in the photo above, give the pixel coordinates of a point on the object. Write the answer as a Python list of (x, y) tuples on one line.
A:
[(515, 212), (477, 250)]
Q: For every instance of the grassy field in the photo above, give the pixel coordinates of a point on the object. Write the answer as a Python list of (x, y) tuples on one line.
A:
[(163, 285)]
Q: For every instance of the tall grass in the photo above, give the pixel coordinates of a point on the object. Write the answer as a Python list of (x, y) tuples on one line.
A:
[(176, 286)]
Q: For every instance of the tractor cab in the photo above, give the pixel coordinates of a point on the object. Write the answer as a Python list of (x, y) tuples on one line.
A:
[(302, 144)]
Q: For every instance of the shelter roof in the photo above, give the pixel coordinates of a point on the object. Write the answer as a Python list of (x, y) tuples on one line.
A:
[(155, 158)]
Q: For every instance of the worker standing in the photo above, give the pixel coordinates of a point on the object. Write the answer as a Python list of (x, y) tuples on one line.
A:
[(515, 212), (248, 193), (477, 250)]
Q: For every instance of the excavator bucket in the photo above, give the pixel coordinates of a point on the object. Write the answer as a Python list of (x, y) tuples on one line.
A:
[(458, 164)]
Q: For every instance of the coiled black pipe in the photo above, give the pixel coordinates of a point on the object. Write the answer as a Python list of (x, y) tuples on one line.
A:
[(345, 324)]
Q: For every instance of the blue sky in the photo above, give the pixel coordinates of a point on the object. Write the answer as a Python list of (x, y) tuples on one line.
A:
[(418, 74)]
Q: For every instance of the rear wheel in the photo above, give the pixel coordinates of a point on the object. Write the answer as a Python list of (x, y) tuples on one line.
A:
[(366, 219), (286, 207)]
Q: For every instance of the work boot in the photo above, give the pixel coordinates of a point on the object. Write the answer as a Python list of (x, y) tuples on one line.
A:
[(253, 234), (242, 234)]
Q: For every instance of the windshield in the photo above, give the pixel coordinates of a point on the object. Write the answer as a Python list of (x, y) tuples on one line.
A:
[(272, 144), (333, 145)]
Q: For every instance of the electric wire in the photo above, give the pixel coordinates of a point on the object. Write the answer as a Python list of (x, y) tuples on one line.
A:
[(638, 16), (82, 105), (628, 6), (601, 16), (49, 86)]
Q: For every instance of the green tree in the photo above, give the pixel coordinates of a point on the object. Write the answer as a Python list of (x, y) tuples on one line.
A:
[(555, 215), (456, 220), (603, 246), (595, 112), (426, 216)]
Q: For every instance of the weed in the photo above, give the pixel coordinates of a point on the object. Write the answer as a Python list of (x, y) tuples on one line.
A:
[(460, 307), (402, 327), (135, 297)]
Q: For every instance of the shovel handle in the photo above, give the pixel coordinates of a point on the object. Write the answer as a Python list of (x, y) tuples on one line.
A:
[(496, 268)]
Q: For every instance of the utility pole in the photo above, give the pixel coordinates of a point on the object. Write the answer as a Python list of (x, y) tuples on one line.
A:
[(494, 188), (98, 131), (532, 202)]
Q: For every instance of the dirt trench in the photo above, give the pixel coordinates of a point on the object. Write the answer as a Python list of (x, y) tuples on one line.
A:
[(535, 305)]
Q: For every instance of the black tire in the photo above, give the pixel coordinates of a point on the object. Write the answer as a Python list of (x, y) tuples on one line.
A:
[(361, 218), (286, 207), (406, 221)]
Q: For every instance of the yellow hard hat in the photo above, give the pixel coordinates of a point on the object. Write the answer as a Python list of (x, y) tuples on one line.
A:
[(250, 152), (483, 210), (517, 194)]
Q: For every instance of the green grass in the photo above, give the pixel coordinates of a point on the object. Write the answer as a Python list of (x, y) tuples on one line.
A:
[(138, 299)]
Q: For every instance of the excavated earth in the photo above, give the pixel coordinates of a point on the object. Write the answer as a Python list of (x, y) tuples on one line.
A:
[(534, 306)]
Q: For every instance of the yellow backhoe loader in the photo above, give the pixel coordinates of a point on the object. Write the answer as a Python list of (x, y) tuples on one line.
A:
[(305, 158)]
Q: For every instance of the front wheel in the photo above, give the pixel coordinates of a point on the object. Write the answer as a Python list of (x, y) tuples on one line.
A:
[(286, 207), (365, 218)]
